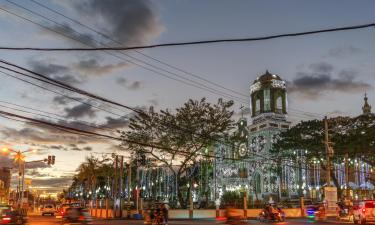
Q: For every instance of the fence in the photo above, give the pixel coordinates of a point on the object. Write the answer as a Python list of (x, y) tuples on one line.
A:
[(198, 214)]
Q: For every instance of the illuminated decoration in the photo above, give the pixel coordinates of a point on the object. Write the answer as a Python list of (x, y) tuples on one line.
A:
[(254, 172), (255, 87), (278, 84)]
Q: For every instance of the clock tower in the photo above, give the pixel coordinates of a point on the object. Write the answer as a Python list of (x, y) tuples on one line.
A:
[(254, 170)]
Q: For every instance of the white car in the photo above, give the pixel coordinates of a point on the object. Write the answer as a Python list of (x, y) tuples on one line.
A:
[(48, 209), (364, 212)]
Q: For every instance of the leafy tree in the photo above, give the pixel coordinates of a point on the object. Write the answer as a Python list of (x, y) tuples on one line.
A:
[(92, 173), (352, 136), (180, 136)]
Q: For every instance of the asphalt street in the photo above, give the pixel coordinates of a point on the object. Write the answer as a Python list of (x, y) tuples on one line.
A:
[(49, 220)]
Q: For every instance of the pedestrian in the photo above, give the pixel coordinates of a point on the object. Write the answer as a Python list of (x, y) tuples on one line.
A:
[(164, 210)]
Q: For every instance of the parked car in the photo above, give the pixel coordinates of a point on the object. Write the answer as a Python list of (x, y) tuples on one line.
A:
[(48, 210), (77, 215), (12, 217), (364, 211)]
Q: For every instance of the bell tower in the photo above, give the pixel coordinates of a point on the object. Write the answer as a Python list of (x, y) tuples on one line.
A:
[(268, 98)]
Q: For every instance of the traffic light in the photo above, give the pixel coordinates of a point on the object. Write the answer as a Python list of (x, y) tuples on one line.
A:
[(49, 160)]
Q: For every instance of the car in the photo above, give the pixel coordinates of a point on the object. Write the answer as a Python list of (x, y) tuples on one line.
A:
[(12, 217), (77, 215), (63, 207), (48, 210), (364, 211)]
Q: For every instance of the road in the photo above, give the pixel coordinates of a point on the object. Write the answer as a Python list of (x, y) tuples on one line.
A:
[(49, 220)]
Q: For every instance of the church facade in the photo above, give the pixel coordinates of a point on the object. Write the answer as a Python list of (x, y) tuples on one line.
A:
[(248, 164)]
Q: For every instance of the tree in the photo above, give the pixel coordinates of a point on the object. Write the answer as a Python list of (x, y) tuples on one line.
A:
[(352, 136), (178, 138), (92, 173)]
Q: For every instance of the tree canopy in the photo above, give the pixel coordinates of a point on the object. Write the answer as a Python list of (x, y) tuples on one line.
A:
[(352, 136), (181, 136)]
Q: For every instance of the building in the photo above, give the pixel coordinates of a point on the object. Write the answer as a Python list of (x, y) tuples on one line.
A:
[(5, 176), (247, 165)]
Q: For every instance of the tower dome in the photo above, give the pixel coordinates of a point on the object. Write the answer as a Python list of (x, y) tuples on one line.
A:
[(268, 95), (267, 77)]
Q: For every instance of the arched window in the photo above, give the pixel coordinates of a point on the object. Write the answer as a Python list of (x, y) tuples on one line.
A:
[(279, 103), (257, 106), (267, 100), (257, 183)]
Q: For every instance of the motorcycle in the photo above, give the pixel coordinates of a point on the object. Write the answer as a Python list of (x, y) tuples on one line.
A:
[(271, 217)]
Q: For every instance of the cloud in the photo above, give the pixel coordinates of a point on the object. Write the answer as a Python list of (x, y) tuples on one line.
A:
[(43, 136), (321, 67), (130, 22), (344, 51), (77, 148), (93, 67), (52, 182), (36, 165), (135, 85), (115, 123), (55, 71), (61, 100), (80, 111), (47, 68), (322, 79), (69, 31), (35, 173)]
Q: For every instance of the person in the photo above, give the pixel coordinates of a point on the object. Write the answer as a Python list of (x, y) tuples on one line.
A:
[(164, 211)]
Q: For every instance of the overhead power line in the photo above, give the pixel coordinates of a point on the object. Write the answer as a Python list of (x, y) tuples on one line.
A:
[(139, 52), (249, 39), (204, 87), (135, 61), (69, 87)]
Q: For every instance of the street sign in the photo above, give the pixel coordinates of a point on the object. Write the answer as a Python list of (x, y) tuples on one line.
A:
[(330, 199)]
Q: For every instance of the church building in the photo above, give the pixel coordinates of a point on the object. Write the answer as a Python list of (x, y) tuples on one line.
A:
[(248, 165)]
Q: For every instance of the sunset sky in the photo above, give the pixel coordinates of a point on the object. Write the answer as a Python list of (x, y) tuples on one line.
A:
[(327, 74)]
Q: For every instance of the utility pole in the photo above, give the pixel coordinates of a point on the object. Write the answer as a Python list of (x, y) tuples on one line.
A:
[(129, 185), (121, 181), (114, 191), (330, 192), (329, 151), (347, 175)]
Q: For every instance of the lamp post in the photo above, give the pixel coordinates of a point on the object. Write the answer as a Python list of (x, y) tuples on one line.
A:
[(19, 158)]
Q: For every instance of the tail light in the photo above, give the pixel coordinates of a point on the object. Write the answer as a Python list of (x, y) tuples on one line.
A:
[(81, 218), (6, 220)]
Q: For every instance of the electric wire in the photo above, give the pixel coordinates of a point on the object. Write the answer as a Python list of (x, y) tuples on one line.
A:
[(89, 133), (139, 52), (241, 100), (56, 117), (228, 40), (61, 94), (180, 79)]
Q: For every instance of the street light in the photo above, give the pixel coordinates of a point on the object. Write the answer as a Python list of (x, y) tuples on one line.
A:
[(19, 158)]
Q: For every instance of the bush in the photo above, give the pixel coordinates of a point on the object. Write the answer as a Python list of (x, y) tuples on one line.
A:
[(233, 199)]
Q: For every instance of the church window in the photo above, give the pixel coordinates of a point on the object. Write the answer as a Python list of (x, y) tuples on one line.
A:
[(257, 106), (279, 103), (267, 100)]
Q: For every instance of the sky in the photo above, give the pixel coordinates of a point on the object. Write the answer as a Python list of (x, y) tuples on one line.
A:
[(327, 74)]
